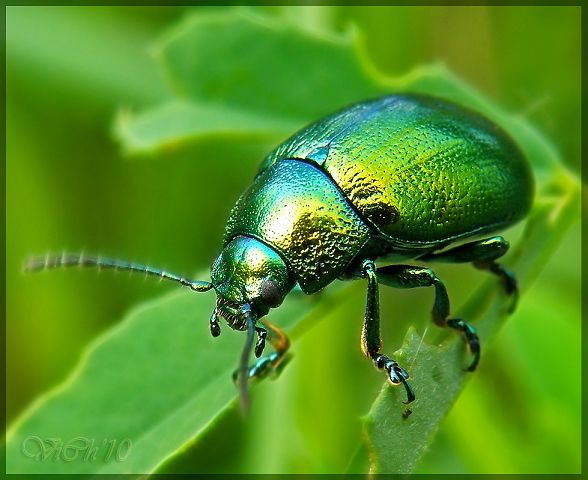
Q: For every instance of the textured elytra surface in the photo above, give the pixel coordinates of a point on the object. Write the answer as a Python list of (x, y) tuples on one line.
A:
[(295, 208), (420, 169)]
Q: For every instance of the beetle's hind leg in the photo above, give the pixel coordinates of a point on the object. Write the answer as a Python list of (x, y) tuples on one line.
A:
[(275, 361), (371, 343), (483, 255), (407, 276)]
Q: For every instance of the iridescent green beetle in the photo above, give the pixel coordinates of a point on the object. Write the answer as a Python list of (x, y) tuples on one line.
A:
[(396, 178)]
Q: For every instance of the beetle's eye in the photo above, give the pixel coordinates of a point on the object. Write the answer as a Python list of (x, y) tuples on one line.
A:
[(270, 294)]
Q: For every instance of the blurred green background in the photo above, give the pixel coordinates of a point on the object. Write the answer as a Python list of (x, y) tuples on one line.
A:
[(70, 70)]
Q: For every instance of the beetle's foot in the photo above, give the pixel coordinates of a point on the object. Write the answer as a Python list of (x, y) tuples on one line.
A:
[(508, 279), (271, 364), (263, 366), (511, 287), (471, 338), (396, 374), (510, 284)]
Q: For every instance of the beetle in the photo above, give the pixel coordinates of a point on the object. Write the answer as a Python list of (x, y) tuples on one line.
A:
[(399, 178)]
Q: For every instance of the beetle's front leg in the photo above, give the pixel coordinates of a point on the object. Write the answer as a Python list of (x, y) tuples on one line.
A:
[(275, 361), (483, 255), (407, 276), (371, 343)]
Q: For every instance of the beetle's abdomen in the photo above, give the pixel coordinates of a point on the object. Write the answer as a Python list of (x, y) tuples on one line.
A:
[(296, 209), (421, 170)]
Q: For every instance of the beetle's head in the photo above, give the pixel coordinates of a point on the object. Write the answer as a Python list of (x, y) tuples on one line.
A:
[(248, 272), (249, 278)]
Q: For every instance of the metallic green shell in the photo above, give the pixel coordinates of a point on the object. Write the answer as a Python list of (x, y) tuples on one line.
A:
[(296, 209), (424, 172)]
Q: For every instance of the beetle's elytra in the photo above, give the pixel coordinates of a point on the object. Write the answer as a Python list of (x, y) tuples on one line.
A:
[(403, 177)]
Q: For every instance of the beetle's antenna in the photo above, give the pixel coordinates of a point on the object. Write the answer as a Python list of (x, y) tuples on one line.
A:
[(244, 364), (48, 262)]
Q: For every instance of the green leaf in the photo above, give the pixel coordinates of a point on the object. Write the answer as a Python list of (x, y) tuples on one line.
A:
[(180, 121), (148, 381), (256, 73), (156, 380), (255, 62), (151, 384)]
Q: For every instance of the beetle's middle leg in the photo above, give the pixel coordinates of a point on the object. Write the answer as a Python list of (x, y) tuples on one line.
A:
[(483, 255), (371, 343), (407, 276)]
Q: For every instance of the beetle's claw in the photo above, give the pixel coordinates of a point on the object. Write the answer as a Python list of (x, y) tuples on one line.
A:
[(511, 287), (474, 346), (471, 338), (514, 293), (475, 361), (396, 374), (409, 392), (262, 367)]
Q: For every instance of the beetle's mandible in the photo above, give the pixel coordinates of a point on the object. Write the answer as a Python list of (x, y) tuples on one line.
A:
[(399, 178)]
